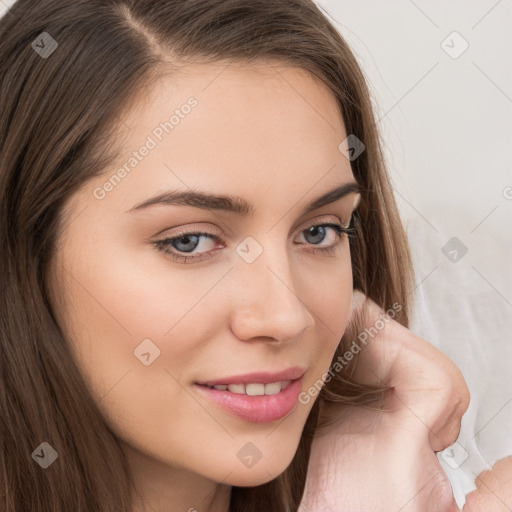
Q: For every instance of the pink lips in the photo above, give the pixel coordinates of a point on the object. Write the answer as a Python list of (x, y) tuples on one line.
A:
[(256, 409), (263, 377)]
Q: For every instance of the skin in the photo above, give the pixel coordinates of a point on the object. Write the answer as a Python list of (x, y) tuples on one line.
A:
[(252, 135), (394, 445), (420, 418), (493, 491)]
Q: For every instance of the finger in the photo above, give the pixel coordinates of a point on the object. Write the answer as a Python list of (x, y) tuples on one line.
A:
[(425, 379), (445, 430), (438, 394)]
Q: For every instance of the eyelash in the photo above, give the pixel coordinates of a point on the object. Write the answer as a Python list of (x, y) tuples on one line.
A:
[(162, 245)]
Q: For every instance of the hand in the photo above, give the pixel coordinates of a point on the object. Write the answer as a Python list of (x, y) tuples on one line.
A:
[(494, 489), (384, 460)]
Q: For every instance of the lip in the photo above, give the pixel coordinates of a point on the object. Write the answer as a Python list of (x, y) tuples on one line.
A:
[(296, 372), (256, 409)]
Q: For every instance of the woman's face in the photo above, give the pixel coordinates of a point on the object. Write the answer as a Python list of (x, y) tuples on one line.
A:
[(259, 291)]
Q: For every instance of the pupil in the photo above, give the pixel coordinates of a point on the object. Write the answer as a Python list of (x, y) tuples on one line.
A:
[(187, 239), (317, 230)]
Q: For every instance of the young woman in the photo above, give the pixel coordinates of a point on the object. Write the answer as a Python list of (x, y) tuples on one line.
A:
[(191, 192)]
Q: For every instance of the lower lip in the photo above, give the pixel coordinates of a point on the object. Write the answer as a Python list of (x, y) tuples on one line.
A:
[(256, 409)]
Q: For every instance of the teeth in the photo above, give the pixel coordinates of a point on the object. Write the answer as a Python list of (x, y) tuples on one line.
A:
[(255, 389), (239, 389), (273, 388)]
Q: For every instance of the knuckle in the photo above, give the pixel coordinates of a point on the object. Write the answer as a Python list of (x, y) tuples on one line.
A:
[(476, 501)]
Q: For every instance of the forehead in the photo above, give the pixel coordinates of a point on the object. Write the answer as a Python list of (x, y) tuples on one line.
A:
[(230, 128)]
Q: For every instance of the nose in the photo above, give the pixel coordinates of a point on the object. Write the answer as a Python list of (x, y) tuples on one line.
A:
[(267, 304)]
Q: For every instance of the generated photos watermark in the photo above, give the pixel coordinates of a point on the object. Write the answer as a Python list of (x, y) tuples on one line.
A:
[(157, 135), (343, 360)]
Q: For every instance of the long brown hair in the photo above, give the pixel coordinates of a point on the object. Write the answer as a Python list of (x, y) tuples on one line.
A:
[(58, 113)]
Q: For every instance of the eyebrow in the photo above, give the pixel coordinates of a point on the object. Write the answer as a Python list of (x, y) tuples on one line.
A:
[(236, 204)]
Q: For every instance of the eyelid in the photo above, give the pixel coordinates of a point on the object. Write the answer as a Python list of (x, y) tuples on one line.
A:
[(186, 230), (189, 229), (338, 226), (323, 219)]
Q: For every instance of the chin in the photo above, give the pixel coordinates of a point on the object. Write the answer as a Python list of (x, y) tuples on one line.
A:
[(249, 478), (261, 473)]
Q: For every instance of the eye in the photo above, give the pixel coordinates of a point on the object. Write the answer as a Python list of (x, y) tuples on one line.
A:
[(184, 243), (318, 232)]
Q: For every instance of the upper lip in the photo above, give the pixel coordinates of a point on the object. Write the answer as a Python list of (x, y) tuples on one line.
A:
[(257, 377)]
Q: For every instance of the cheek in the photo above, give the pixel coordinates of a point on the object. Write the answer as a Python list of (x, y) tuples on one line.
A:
[(329, 296), (118, 310), (124, 306), (330, 300), (112, 306), (116, 299)]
